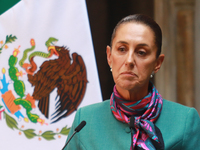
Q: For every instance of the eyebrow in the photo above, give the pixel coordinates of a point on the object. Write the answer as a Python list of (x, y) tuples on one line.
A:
[(123, 42), (142, 44)]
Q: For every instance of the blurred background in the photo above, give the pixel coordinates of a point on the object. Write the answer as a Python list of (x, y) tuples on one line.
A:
[(179, 78)]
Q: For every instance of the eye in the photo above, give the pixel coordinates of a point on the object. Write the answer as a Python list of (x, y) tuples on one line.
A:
[(122, 49), (141, 52)]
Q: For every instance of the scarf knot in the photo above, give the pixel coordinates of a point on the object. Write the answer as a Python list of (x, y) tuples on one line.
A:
[(146, 111), (137, 122)]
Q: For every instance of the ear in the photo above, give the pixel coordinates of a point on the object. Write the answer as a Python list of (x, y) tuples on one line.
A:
[(159, 62), (108, 52)]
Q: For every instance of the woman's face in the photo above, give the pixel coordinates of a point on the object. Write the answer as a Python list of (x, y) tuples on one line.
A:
[(133, 57)]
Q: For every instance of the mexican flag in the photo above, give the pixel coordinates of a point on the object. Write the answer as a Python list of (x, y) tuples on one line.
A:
[(47, 71)]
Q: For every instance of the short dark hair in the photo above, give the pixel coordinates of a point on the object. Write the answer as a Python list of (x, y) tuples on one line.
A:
[(146, 20)]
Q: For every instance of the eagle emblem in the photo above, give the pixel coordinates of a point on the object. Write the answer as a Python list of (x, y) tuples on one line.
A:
[(66, 75)]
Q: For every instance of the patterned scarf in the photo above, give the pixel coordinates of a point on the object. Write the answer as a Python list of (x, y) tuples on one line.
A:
[(145, 111)]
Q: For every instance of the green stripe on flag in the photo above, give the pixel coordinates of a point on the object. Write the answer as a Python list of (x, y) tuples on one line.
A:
[(7, 4)]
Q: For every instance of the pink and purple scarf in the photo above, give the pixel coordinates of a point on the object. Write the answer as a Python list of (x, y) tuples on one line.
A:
[(145, 111)]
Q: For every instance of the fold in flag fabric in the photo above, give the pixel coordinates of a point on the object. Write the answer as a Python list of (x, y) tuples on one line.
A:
[(47, 71)]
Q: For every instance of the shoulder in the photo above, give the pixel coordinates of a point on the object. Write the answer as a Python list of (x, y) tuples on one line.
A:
[(177, 111), (91, 113), (174, 105), (178, 124), (98, 110), (96, 115), (171, 108), (96, 107)]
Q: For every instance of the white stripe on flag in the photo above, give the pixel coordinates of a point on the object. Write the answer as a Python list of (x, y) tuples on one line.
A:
[(67, 21)]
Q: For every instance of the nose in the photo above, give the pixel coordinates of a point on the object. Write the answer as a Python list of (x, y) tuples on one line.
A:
[(130, 59)]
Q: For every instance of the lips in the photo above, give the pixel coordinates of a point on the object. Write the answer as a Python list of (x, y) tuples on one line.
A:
[(128, 73)]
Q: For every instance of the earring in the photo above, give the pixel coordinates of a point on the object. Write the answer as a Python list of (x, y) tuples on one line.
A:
[(152, 74), (111, 69)]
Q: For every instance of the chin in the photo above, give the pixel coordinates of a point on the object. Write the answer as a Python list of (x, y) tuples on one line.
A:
[(128, 86), (128, 83)]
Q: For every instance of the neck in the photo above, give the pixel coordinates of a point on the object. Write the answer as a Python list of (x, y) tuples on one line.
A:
[(133, 94)]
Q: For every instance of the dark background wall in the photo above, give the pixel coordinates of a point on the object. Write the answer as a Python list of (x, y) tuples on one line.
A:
[(103, 16)]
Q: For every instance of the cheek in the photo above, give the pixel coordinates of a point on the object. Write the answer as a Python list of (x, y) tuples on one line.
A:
[(145, 68), (117, 63), (117, 68)]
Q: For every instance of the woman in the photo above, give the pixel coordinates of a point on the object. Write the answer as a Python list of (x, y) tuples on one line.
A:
[(134, 57)]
